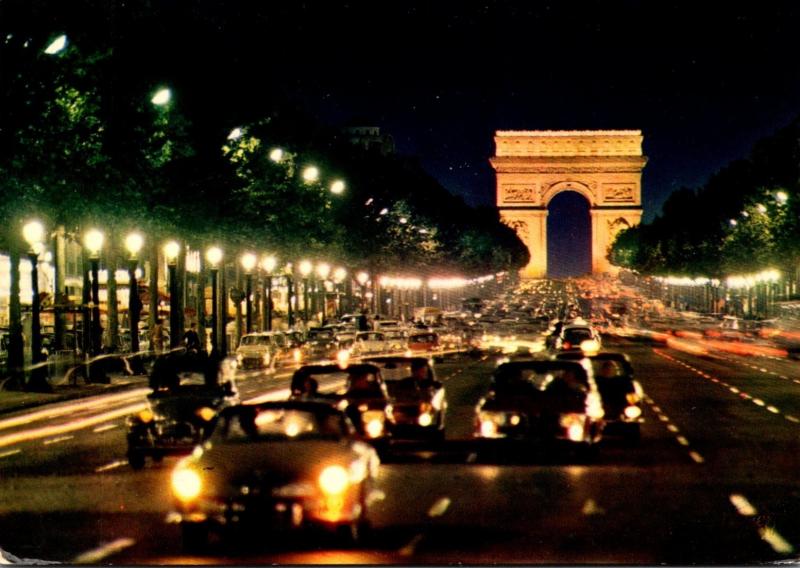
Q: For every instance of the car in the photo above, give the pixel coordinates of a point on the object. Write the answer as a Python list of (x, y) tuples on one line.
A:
[(423, 342), (188, 393), (321, 345), (419, 401), (290, 464), (621, 393), (552, 402), (261, 350), (362, 395), (573, 334), (369, 342), (397, 339)]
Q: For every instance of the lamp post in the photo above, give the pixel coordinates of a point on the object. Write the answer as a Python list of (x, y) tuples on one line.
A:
[(133, 242), (268, 264), (289, 295), (323, 271), (171, 251), (362, 278), (305, 270), (93, 240), (339, 276), (33, 232), (248, 263), (214, 256)]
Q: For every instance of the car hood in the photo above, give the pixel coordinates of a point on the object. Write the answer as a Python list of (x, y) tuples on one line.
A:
[(273, 463)]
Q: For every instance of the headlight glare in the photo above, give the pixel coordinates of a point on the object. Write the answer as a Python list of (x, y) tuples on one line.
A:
[(146, 415), (333, 480), (206, 413), (186, 484)]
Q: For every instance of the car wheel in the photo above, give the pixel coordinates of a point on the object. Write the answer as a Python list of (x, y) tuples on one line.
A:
[(136, 459), (194, 536)]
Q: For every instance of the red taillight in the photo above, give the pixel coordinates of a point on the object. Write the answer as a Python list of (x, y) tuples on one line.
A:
[(567, 345)]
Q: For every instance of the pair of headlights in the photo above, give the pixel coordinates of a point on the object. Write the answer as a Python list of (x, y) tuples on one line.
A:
[(187, 483), (205, 413)]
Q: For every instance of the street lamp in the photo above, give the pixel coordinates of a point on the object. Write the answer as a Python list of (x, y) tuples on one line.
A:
[(276, 155), (133, 242), (289, 294), (57, 45), (171, 251), (337, 187), (93, 240), (249, 261), (162, 97), (33, 232), (268, 264), (214, 256), (339, 276), (323, 271), (310, 174), (305, 270), (362, 278)]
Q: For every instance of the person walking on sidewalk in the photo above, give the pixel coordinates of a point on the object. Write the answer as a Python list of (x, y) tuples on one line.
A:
[(191, 340)]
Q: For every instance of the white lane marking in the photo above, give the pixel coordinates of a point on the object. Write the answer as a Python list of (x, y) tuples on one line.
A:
[(763, 370), (408, 550), (696, 457), (591, 508), (10, 453), (439, 508), (672, 428), (734, 390), (105, 427), (656, 409), (84, 404), (57, 440), (108, 466), (472, 457), (759, 402), (682, 441), (743, 505), (663, 417), (791, 418), (45, 431), (773, 410), (103, 551), (775, 540)]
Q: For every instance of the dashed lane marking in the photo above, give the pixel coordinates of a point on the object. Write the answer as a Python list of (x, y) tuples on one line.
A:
[(103, 551), (109, 466), (682, 441), (10, 453), (57, 440), (672, 428), (411, 547), (104, 427), (439, 508), (696, 457)]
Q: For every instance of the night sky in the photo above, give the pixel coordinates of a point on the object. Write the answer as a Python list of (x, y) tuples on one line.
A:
[(703, 81)]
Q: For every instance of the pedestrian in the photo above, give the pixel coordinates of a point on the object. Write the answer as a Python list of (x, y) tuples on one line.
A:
[(363, 325), (191, 339), (157, 337)]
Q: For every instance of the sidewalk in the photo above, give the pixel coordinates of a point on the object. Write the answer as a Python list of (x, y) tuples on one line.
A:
[(13, 401)]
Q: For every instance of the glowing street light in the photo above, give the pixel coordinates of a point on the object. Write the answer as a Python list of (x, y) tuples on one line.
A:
[(162, 97), (57, 45), (171, 251), (310, 174), (93, 241), (781, 197), (214, 257), (761, 208), (337, 187), (276, 155), (235, 134), (323, 271)]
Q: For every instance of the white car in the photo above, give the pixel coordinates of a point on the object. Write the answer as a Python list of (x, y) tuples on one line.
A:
[(369, 342)]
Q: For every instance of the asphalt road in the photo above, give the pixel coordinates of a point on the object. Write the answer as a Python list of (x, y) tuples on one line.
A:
[(714, 480)]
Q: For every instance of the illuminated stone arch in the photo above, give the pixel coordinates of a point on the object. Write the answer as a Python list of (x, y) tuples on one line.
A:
[(532, 167)]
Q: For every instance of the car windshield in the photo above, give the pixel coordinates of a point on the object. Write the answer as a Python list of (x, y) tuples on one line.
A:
[(251, 423), (520, 378)]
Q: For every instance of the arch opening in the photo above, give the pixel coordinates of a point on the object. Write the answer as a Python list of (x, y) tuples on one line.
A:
[(569, 236)]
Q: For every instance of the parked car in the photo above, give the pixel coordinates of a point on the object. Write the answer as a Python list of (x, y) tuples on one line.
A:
[(188, 392), (548, 402), (276, 465)]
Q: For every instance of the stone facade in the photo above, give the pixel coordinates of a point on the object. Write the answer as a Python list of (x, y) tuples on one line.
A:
[(532, 167)]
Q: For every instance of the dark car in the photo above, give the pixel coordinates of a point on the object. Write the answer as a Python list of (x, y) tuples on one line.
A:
[(551, 402), (419, 401), (276, 465), (621, 393), (188, 393), (363, 395)]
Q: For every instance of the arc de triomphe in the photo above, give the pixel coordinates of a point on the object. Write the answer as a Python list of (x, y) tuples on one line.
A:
[(532, 167)]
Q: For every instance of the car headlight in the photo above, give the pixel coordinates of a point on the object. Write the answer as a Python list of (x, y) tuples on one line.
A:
[(146, 415), (297, 354), (633, 412), (373, 422), (425, 419), (342, 357), (574, 425), (206, 413), (266, 358), (186, 483), (333, 480)]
